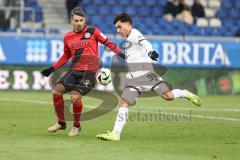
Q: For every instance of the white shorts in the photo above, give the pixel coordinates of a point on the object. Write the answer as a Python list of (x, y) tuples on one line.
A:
[(145, 81)]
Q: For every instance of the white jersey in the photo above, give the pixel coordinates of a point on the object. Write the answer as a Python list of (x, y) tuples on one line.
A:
[(136, 51)]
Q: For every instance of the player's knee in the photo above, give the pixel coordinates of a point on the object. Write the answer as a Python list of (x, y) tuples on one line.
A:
[(75, 98), (58, 90), (56, 93), (168, 96), (124, 103)]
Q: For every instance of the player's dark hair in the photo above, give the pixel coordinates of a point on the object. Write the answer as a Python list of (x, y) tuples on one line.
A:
[(77, 11), (123, 17)]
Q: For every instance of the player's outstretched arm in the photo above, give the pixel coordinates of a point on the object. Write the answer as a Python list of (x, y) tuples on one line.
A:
[(113, 47), (148, 47), (63, 60), (106, 42)]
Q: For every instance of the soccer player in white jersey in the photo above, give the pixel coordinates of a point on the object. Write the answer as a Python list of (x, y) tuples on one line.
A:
[(141, 76)]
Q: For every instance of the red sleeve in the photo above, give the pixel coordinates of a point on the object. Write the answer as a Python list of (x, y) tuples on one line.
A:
[(64, 58), (105, 41)]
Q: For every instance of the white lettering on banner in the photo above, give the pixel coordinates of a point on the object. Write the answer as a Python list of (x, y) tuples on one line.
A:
[(195, 53), (2, 56), (169, 53), (20, 80), (3, 79), (183, 53), (39, 81), (57, 49), (189, 54), (206, 51), (219, 54)]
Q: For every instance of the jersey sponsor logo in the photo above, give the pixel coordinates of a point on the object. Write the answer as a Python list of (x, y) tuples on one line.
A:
[(80, 45), (87, 35)]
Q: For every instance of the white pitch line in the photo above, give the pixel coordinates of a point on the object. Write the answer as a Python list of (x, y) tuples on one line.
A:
[(196, 116), (24, 100), (199, 109), (216, 118)]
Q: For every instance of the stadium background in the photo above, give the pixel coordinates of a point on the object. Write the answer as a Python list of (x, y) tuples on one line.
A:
[(202, 57), (35, 29)]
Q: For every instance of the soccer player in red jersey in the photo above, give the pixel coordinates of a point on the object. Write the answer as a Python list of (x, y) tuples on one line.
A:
[(81, 46)]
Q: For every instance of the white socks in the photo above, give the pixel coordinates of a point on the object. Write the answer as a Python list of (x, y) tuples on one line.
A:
[(177, 93), (121, 120)]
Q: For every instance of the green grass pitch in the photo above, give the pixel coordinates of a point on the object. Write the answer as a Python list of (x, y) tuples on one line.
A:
[(209, 132)]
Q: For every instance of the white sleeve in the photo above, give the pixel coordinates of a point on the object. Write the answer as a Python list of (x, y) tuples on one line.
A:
[(140, 39), (147, 45)]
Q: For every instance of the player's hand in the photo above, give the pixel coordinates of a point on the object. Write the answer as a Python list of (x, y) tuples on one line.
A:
[(46, 72), (153, 55)]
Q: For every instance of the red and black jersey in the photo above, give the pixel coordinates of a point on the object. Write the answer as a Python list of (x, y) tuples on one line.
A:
[(82, 49)]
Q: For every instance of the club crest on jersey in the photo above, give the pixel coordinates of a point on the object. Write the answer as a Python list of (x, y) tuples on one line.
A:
[(87, 35)]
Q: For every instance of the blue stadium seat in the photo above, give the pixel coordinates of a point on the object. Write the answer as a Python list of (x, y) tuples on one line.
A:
[(168, 29), (107, 20), (130, 10), (221, 14), (237, 4), (156, 11), (233, 29), (137, 3), (177, 24), (90, 10), (124, 2), (112, 2), (162, 21), (162, 2), (40, 30), (202, 32), (39, 17), (103, 10), (53, 31), (155, 29), (150, 20), (233, 13), (117, 10), (95, 20), (227, 4), (109, 29), (30, 3), (27, 16), (137, 21), (150, 2), (236, 22), (26, 30), (143, 11), (228, 22), (85, 3), (194, 29), (98, 2), (11, 30), (144, 29), (208, 31)]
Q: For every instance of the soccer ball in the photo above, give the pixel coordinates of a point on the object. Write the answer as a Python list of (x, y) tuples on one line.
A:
[(103, 76)]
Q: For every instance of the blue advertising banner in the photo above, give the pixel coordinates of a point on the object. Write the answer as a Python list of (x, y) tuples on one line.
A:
[(173, 53)]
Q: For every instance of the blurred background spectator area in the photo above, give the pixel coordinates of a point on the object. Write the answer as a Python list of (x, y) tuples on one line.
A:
[(155, 17)]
